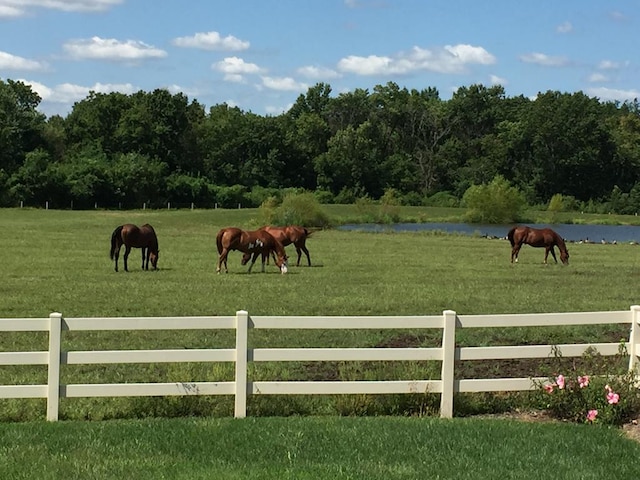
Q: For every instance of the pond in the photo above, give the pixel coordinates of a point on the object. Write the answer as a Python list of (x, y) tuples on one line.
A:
[(570, 232)]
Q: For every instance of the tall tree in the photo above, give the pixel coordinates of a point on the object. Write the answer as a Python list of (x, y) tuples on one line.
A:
[(21, 125)]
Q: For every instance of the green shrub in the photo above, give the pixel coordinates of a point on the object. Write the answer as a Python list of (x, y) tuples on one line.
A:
[(442, 199), (581, 393), (497, 202), (295, 209)]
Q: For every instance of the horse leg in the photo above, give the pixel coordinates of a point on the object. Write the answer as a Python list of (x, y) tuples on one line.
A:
[(514, 253), (116, 254), (253, 260), (222, 259), (303, 247), (553, 253), (127, 250), (145, 250)]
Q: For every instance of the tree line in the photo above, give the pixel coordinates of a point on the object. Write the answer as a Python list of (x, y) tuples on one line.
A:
[(156, 148)]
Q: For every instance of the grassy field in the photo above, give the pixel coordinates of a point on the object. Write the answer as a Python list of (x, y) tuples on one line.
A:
[(58, 261), (314, 448)]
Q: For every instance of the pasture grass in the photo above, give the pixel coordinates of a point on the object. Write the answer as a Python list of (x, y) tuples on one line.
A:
[(58, 261), (313, 447)]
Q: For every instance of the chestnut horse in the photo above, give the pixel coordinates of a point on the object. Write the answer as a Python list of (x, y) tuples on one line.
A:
[(252, 244), (130, 236), (543, 237), (292, 234)]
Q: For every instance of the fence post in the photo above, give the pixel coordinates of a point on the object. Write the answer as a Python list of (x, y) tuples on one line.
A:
[(634, 337), (448, 361), (53, 382), (242, 335)]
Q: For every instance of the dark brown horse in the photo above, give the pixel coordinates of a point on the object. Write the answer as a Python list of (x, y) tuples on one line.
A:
[(252, 244), (537, 237), (131, 236), (292, 234)]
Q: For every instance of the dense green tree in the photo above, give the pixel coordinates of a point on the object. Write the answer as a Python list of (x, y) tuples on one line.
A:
[(96, 121), (571, 147), (154, 147), (21, 124)]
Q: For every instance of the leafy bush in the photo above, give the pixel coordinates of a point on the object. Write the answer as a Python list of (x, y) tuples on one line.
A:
[(497, 202), (231, 197), (324, 197), (296, 209), (442, 199), (610, 398)]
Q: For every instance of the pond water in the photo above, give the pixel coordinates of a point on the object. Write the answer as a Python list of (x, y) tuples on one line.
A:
[(570, 232)]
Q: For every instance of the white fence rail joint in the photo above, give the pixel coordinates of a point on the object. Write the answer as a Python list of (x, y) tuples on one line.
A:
[(242, 356)]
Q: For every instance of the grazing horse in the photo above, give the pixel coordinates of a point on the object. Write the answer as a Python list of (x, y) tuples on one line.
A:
[(130, 236), (291, 234), (543, 237), (252, 244)]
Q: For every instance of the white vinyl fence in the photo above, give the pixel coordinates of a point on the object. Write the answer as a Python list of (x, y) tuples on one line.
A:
[(449, 322)]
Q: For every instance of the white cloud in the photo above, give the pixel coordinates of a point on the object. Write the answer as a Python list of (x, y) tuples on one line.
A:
[(41, 89), (608, 65), (236, 66), (564, 27), (598, 78), (544, 60), (496, 80), (283, 84), (612, 94), (97, 48), (449, 59), (17, 8), (272, 110), (318, 73), (12, 62), (470, 54), (617, 16), (69, 93), (371, 65), (212, 41)]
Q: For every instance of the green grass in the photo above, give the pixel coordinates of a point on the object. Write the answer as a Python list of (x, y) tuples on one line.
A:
[(58, 261), (318, 448)]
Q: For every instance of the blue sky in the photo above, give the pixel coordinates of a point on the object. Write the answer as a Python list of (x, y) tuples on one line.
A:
[(260, 55)]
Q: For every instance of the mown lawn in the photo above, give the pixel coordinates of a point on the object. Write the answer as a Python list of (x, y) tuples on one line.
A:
[(314, 448)]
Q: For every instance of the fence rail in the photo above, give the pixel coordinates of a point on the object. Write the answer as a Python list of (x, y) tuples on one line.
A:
[(241, 387)]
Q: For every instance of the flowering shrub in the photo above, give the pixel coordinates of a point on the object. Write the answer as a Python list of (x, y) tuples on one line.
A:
[(610, 399)]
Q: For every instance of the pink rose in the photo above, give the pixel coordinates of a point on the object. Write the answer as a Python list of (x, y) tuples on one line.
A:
[(591, 415), (583, 381), (560, 381), (612, 398)]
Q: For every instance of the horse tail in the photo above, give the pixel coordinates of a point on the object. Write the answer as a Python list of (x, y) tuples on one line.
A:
[(307, 232), (219, 241), (114, 240), (510, 235)]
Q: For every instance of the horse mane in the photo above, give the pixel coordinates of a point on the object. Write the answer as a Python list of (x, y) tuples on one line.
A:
[(559, 240), (114, 239)]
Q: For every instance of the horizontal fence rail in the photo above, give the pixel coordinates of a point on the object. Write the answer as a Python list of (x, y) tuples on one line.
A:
[(242, 355)]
